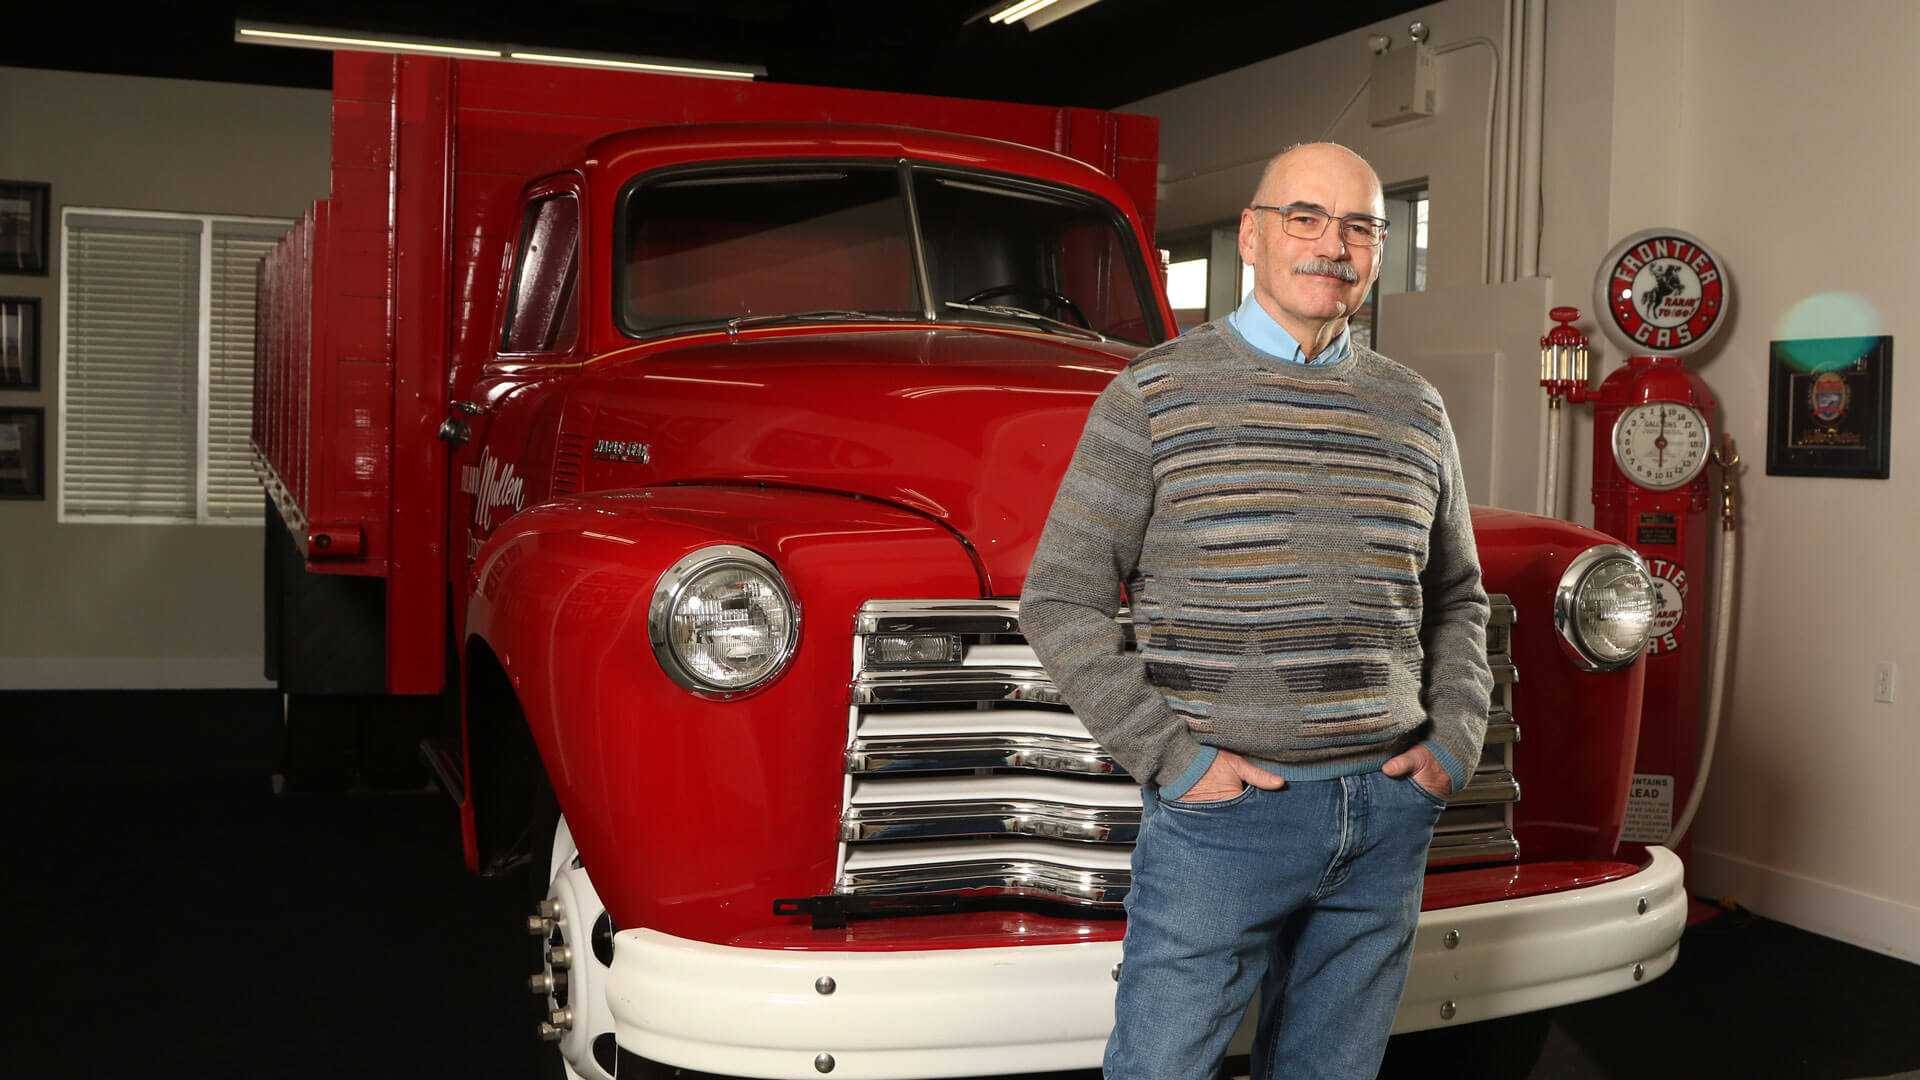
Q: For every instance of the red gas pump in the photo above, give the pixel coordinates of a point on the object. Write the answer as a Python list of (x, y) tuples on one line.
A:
[(1662, 295)]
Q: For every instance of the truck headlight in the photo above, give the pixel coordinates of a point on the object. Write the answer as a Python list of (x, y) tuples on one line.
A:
[(722, 621), (1604, 607)]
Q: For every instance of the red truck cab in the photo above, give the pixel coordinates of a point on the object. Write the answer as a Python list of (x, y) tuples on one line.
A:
[(720, 450)]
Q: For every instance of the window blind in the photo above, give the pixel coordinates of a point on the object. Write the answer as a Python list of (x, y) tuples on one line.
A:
[(157, 373), (130, 381)]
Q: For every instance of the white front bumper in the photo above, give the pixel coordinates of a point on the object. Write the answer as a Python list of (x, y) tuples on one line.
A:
[(973, 1012)]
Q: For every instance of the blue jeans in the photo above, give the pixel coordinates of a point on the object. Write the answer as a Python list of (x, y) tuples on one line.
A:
[(1310, 893)]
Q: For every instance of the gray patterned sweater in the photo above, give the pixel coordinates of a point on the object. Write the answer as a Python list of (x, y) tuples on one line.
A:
[(1296, 547)]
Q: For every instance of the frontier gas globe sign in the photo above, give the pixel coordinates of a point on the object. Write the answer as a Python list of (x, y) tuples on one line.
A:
[(1662, 291)]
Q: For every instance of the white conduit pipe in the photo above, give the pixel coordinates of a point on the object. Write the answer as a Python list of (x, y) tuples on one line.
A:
[(1342, 114), (1502, 148), (1325, 135), (1510, 145), (1550, 503), (1532, 137), (1487, 210), (1722, 623)]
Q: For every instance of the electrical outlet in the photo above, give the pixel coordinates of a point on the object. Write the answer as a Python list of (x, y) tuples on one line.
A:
[(1883, 681)]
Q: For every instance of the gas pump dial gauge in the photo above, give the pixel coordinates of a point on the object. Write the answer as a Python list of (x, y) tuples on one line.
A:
[(1660, 445)]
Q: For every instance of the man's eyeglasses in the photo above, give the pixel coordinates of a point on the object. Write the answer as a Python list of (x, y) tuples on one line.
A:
[(1306, 223)]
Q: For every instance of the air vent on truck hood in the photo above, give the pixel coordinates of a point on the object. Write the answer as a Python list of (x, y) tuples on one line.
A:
[(569, 459)]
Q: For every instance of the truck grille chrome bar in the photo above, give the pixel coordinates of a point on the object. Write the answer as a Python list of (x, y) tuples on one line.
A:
[(1025, 869), (1046, 753), (972, 777), (974, 684), (990, 819)]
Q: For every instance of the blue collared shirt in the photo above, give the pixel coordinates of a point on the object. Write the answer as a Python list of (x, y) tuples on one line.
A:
[(1260, 330)]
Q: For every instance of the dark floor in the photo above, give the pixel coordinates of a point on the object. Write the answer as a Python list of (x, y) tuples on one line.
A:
[(210, 928)]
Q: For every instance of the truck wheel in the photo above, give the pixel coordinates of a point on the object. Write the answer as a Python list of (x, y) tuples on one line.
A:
[(576, 948)]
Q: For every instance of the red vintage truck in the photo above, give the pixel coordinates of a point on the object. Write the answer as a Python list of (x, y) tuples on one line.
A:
[(696, 437)]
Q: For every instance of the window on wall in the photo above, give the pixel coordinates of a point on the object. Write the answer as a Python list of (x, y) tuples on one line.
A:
[(1404, 266), (1403, 258), (156, 366), (1186, 261), (1200, 282)]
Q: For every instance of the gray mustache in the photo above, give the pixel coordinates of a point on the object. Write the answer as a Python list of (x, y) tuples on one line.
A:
[(1344, 271)]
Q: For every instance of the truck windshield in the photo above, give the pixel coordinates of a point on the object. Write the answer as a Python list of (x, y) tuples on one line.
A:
[(706, 249), (998, 243), (709, 248)]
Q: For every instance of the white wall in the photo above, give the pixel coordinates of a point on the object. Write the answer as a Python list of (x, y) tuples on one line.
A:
[(1478, 342), (90, 606), (1216, 134), (1814, 804), (1761, 129)]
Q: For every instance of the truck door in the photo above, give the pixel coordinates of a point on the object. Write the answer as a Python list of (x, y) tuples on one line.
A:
[(505, 409)]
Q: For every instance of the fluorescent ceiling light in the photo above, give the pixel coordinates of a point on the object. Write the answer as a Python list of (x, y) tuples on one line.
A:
[(1037, 13), (308, 37), (1019, 10), (638, 65)]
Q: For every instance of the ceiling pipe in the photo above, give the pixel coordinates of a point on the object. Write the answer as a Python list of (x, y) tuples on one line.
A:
[(1533, 137)]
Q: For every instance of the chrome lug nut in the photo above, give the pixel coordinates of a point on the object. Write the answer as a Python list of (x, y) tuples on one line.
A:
[(539, 925), (561, 1018), (549, 1033), (560, 956), (547, 983), (549, 908)]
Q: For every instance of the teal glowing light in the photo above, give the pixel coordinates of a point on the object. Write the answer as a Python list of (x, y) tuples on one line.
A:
[(1827, 331)]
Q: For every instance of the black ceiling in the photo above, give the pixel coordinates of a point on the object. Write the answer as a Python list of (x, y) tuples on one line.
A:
[(1112, 53)]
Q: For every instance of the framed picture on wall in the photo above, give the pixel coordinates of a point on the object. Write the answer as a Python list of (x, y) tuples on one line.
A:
[(19, 343), (25, 207), (23, 457), (1830, 407)]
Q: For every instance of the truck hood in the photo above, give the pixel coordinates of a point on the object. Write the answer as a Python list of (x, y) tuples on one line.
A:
[(972, 427)]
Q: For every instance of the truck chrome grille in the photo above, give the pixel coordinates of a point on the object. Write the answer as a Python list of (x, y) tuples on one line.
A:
[(971, 776)]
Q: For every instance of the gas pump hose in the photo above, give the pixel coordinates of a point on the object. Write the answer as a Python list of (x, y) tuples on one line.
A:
[(1551, 500), (1727, 458)]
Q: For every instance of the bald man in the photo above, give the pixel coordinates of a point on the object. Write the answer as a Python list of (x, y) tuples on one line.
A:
[(1285, 512)]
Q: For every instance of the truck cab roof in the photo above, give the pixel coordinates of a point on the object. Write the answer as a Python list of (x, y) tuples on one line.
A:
[(643, 149)]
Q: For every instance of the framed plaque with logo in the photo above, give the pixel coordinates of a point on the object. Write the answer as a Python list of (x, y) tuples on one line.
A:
[(1830, 407), (19, 343), (25, 207), (23, 442)]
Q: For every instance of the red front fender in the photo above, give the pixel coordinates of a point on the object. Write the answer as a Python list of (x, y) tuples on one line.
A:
[(1579, 728), (694, 814)]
